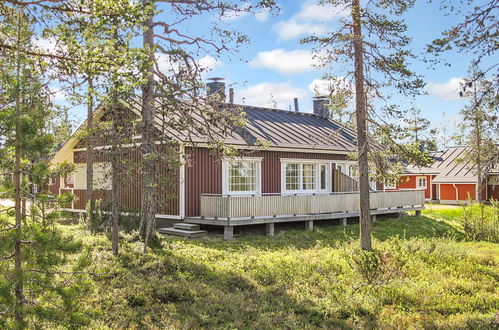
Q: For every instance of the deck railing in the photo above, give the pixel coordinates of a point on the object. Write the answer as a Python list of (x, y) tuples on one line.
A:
[(247, 206)]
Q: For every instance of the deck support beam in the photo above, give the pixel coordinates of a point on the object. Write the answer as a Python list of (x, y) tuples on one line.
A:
[(373, 218), (269, 229), (418, 213), (309, 225), (344, 222), (228, 233)]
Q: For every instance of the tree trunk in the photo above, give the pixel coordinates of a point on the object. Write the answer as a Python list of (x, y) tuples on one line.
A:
[(90, 152), (115, 175), (148, 207), (478, 146), (362, 143), (18, 271)]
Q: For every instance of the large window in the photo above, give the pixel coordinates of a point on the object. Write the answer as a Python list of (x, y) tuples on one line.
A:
[(305, 176), (241, 176)]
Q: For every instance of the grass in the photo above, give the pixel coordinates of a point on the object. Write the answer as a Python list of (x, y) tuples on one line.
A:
[(298, 280)]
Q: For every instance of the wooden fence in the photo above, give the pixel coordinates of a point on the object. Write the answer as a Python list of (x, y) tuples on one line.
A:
[(344, 183), (218, 206)]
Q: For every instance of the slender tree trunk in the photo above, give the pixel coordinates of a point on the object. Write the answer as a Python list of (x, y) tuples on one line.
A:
[(115, 174), (478, 146), (18, 271), (148, 207), (90, 152), (361, 115)]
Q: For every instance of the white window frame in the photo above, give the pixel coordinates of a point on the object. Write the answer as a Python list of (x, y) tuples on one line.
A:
[(317, 163), (225, 175), (425, 182)]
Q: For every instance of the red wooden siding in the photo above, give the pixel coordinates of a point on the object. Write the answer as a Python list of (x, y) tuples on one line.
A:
[(204, 173), (493, 192), (129, 193), (54, 188), (409, 182), (448, 192)]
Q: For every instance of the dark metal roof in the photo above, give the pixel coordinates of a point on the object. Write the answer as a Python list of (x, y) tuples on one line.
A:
[(297, 130), (285, 129)]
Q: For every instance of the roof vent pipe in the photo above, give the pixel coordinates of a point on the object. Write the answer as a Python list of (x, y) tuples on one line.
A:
[(231, 95), (216, 87), (296, 104)]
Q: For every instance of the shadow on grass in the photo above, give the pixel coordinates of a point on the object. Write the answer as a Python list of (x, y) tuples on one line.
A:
[(327, 234), (175, 291)]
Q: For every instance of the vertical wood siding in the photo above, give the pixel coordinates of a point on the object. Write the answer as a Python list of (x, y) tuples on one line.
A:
[(130, 190), (203, 175)]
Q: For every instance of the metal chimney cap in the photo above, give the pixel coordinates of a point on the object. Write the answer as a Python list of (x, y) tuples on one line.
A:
[(216, 79)]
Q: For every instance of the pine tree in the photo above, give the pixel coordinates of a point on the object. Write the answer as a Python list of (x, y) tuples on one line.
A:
[(180, 91), (372, 41), (480, 129), (33, 252)]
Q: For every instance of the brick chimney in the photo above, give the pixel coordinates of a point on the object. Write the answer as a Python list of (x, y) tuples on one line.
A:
[(321, 106), (216, 86)]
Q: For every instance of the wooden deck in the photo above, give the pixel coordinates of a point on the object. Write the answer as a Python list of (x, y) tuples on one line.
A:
[(231, 211)]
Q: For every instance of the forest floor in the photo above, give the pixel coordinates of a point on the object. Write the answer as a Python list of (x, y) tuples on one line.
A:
[(422, 275)]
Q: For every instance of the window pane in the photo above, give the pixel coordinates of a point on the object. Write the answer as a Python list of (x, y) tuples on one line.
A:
[(323, 176), (354, 171), (308, 176), (292, 176), (242, 176)]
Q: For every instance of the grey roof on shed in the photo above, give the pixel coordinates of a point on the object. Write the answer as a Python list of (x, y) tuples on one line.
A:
[(449, 166)]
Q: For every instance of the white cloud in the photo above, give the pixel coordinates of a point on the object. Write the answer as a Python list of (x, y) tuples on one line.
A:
[(46, 44), (448, 90), (311, 10), (288, 62), (309, 20), (209, 62), (262, 15), (270, 94), (326, 87), (168, 66), (293, 28)]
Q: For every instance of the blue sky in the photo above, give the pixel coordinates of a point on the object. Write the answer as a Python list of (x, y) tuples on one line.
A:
[(275, 67)]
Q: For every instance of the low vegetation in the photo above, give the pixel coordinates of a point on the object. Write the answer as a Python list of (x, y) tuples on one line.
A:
[(424, 273)]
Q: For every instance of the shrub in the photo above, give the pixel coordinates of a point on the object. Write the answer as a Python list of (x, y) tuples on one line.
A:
[(378, 267), (481, 222)]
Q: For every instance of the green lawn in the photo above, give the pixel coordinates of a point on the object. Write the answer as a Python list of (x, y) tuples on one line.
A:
[(299, 280)]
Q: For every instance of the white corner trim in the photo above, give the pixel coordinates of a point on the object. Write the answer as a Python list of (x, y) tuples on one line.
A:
[(181, 193)]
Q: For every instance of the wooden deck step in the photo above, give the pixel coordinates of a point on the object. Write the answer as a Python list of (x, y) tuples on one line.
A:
[(186, 226), (182, 232)]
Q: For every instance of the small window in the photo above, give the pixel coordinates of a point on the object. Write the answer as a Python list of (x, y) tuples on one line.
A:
[(241, 176), (69, 180), (421, 182)]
